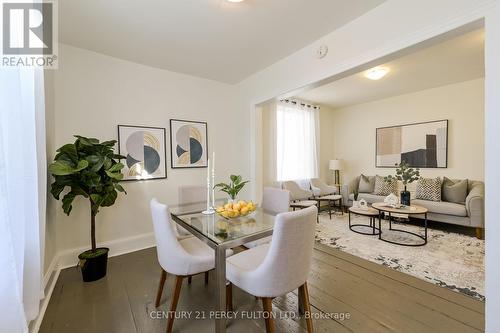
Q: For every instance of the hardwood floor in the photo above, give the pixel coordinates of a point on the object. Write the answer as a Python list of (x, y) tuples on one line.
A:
[(347, 294)]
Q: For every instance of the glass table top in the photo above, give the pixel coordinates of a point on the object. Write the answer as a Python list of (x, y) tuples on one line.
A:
[(219, 229)]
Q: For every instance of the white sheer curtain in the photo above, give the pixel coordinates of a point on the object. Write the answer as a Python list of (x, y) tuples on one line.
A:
[(297, 140), (22, 196)]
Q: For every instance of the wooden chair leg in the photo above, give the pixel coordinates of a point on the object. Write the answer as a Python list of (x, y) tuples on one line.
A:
[(480, 233), (206, 277), (190, 279), (229, 297), (160, 287), (307, 306), (267, 304), (175, 300)]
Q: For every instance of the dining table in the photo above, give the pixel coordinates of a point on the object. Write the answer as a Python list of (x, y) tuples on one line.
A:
[(222, 234)]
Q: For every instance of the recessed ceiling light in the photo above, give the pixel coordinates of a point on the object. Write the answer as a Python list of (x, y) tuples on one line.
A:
[(235, 0), (376, 73)]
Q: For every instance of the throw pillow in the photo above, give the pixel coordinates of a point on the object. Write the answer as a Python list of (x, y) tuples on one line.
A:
[(454, 190), (385, 188), (366, 184), (429, 189)]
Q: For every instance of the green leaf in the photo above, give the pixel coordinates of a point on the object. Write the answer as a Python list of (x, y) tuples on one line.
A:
[(67, 202), (86, 141), (90, 179), (118, 157), (62, 168), (109, 198), (116, 167), (109, 143), (77, 190), (115, 175), (120, 188), (68, 151), (107, 163), (96, 199), (95, 161), (56, 189)]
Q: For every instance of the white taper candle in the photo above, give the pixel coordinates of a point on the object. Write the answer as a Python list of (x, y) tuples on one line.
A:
[(208, 184), (213, 179)]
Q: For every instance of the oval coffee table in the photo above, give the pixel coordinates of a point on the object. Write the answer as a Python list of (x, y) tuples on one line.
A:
[(369, 212), (407, 210)]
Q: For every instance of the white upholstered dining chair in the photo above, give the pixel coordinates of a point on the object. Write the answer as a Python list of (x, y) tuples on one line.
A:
[(274, 201), (275, 269), (181, 258), (187, 195)]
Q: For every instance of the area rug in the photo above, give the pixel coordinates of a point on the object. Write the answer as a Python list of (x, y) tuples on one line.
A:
[(451, 260)]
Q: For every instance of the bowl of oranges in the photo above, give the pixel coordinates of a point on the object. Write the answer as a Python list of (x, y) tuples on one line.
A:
[(236, 209)]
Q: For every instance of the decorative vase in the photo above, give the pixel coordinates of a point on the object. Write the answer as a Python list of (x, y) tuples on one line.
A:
[(405, 197)]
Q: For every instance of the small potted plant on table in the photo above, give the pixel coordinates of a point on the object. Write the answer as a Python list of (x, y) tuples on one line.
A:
[(406, 175), (92, 170), (234, 208)]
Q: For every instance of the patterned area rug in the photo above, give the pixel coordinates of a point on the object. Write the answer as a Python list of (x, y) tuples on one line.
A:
[(451, 260)]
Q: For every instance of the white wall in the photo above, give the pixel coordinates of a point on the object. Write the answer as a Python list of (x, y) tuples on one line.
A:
[(94, 93), (50, 226), (462, 104), (327, 139)]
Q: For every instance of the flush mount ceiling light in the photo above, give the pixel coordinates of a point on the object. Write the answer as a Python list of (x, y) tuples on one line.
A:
[(376, 73)]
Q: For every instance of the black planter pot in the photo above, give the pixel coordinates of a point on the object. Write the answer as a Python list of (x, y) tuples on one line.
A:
[(94, 267), (405, 198)]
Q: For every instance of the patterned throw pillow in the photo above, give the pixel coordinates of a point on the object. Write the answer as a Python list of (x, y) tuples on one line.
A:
[(385, 188), (429, 189)]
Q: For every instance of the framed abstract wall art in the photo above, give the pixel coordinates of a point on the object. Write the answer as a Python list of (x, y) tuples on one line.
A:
[(188, 144), (145, 152), (422, 145)]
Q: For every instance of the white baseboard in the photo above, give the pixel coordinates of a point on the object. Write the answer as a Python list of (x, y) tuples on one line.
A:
[(49, 282), (69, 258)]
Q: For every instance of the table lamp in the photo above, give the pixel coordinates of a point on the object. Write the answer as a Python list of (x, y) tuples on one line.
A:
[(336, 166)]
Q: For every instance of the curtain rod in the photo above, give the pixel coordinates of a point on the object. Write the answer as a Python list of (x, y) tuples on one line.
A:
[(300, 103)]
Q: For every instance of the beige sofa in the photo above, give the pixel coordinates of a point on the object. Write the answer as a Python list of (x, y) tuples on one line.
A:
[(470, 214)]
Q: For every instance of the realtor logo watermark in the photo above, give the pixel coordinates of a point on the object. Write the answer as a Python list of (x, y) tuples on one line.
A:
[(29, 34)]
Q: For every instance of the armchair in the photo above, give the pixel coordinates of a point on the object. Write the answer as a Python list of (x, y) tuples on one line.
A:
[(320, 188), (300, 198)]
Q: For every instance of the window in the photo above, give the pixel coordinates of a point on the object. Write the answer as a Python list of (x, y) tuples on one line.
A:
[(297, 141)]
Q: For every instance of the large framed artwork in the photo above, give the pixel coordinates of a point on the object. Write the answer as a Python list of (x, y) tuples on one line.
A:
[(422, 145), (145, 152), (188, 144)]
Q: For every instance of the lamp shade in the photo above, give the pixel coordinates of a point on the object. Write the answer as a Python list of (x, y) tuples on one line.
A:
[(335, 164)]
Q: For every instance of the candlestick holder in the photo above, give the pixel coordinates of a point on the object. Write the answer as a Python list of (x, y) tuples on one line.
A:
[(210, 209)]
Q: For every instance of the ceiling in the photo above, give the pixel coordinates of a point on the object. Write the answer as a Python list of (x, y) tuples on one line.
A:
[(456, 60), (212, 39)]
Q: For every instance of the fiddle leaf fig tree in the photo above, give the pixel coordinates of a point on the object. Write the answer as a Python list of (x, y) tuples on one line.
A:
[(87, 168)]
